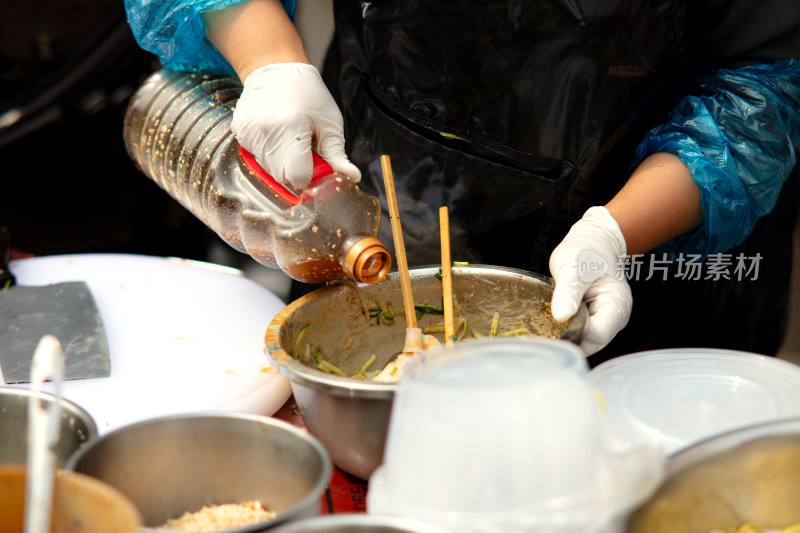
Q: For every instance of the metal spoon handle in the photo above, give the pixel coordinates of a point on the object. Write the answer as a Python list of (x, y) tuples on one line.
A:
[(43, 425)]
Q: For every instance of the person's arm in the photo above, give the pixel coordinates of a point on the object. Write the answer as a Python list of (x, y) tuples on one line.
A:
[(253, 34), (735, 131), (285, 110), (659, 202), (702, 179), (175, 31)]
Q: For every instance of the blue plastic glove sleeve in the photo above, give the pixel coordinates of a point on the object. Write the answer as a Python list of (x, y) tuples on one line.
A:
[(737, 132), (174, 31)]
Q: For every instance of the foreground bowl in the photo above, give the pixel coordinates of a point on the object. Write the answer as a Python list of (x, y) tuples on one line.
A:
[(351, 417), (80, 503), (750, 475), (173, 465), (75, 430)]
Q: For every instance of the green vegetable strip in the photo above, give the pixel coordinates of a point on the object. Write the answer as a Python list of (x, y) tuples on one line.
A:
[(326, 366), (428, 309), (300, 338), (433, 328), (363, 370), (460, 326), (514, 332), (495, 322)]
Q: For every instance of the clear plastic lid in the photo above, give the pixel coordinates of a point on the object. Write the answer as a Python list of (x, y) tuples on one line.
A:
[(677, 397)]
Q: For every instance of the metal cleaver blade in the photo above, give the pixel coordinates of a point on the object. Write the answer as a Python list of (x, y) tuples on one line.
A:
[(66, 310)]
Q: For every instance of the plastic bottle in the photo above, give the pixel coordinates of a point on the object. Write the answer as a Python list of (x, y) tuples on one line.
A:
[(177, 131)]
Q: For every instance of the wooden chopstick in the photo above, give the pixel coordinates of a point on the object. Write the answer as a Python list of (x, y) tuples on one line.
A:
[(447, 280), (399, 247)]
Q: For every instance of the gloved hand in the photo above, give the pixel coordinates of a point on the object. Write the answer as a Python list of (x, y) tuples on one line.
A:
[(284, 109), (585, 267)]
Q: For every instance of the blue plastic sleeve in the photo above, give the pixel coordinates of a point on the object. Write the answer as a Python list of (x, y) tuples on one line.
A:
[(737, 131), (174, 31)]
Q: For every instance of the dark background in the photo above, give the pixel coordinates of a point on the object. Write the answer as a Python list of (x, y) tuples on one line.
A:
[(67, 185)]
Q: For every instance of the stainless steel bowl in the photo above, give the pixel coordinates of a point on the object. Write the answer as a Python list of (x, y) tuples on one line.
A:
[(747, 475), (171, 465), (350, 417), (76, 429), (357, 523)]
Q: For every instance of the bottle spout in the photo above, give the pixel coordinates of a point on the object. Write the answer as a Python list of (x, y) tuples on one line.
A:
[(366, 259)]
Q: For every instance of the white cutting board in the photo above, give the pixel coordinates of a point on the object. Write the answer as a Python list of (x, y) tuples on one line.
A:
[(184, 336)]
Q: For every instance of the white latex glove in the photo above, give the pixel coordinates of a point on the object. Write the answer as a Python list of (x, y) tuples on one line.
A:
[(283, 109), (584, 267)]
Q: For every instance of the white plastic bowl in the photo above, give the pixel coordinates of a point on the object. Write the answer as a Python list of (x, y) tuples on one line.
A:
[(505, 435)]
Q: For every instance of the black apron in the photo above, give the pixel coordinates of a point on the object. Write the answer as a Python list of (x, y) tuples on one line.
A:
[(499, 110), (518, 116)]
